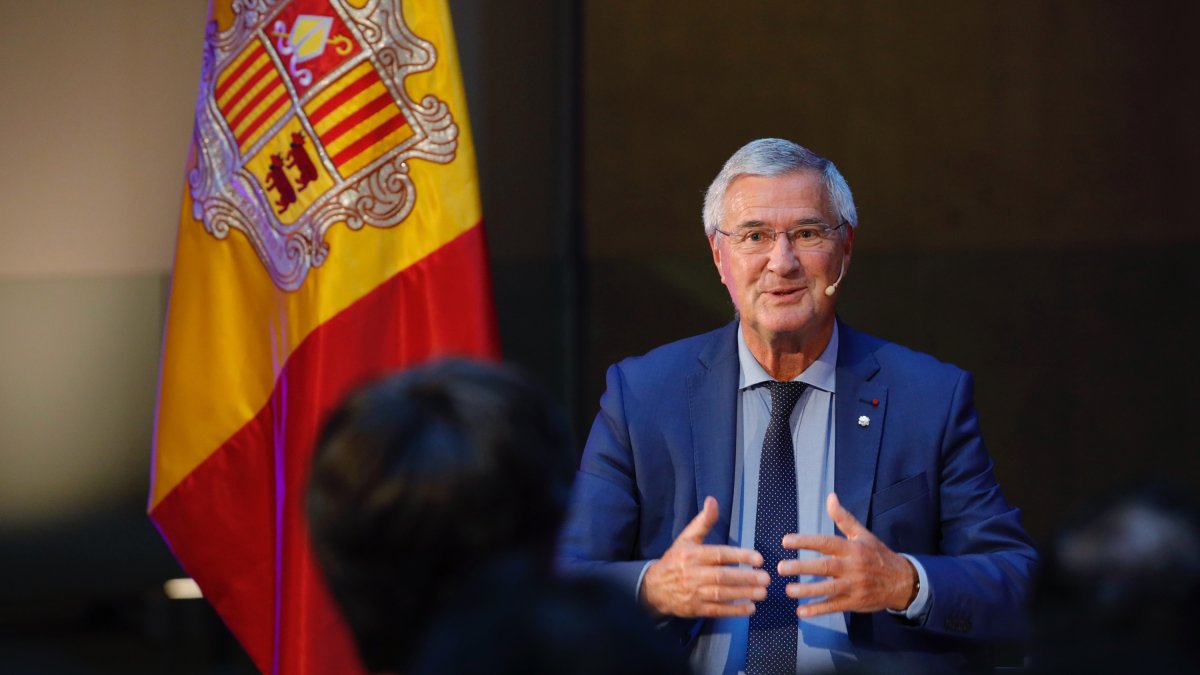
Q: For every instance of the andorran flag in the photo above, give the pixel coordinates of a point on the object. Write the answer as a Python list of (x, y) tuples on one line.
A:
[(331, 232)]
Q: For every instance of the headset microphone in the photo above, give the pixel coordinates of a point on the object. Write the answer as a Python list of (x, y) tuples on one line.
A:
[(832, 288)]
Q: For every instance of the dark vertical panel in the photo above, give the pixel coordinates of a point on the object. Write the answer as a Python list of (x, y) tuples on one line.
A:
[(520, 69), (567, 216)]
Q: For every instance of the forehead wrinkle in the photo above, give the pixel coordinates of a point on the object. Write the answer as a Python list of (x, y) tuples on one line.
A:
[(799, 222), (751, 224), (810, 220)]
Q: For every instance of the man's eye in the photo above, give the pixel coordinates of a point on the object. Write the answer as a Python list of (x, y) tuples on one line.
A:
[(807, 233), (755, 236)]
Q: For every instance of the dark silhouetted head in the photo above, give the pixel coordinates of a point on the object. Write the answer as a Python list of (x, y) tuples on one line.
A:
[(423, 479)]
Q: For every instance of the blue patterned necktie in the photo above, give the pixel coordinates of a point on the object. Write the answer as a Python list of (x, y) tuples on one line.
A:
[(772, 642)]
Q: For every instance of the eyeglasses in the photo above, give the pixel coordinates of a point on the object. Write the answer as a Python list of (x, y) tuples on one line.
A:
[(762, 239)]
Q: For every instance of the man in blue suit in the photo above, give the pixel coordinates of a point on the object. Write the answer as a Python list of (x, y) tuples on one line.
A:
[(787, 494)]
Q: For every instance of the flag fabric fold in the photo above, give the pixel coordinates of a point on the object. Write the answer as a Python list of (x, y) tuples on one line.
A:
[(331, 232)]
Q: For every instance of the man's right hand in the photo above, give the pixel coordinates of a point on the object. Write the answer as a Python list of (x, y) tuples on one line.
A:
[(697, 580)]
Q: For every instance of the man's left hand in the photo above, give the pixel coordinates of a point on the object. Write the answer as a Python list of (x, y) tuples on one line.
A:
[(863, 574)]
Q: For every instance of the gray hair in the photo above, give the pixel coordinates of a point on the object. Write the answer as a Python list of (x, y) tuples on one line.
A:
[(777, 157)]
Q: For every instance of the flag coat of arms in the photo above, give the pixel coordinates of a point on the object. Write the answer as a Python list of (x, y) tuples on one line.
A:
[(331, 232)]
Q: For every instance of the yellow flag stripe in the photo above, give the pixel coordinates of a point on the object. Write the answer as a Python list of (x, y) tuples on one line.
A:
[(333, 119), (260, 69), (352, 135), (254, 115), (254, 50), (383, 145), (336, 88)]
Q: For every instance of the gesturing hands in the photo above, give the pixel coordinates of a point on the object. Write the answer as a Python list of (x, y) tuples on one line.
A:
[(863, 574), (693, 579)]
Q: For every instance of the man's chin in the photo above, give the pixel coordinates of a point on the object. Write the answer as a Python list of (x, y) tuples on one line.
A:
[(796, 321)]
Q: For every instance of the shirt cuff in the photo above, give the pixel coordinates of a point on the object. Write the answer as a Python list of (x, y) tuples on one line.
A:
[(920, 605), (637, 590)]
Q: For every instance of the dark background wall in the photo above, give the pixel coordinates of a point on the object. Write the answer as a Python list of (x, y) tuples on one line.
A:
[(1023, 172)]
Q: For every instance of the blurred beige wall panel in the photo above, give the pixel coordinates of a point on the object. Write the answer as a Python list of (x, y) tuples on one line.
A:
[(95, 126), (78, 373)]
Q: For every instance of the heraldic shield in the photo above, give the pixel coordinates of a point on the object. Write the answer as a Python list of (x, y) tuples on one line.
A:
[(304, 122)]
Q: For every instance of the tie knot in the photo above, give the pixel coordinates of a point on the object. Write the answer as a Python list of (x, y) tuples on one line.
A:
[(784, 396)]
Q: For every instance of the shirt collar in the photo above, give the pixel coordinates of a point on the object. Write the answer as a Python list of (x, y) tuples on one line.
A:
[(821, 374)]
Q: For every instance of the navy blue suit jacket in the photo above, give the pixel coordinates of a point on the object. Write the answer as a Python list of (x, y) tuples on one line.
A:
[(918, 476)]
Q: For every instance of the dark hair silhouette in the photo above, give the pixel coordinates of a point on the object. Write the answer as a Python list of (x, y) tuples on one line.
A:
[(421, 480)]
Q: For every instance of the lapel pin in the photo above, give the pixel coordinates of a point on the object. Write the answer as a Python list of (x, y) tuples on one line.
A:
[(864, 421), (875, 402)]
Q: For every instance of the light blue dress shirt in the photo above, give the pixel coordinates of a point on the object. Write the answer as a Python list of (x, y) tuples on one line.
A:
[(822, 640)]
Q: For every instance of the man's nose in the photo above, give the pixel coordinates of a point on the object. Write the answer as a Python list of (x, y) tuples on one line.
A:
[(783, 257)]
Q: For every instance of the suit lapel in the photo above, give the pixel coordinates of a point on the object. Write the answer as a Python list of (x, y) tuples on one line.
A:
[(861, 405), (712, 407)]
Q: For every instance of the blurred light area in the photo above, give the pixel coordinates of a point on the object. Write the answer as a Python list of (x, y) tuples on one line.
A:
[(78, 367), (94, 189), (182, 589)]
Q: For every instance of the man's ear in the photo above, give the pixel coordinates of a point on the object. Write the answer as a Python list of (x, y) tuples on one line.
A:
[(848, 246), (716, 253)]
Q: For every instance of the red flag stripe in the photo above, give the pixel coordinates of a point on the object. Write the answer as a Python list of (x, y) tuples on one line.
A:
[(352, 89), (226, 82), (369, 139), (266, 70), (267, 89), (266, 114), (357, 117)]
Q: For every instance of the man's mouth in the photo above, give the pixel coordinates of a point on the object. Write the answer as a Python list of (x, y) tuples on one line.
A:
[(785, 292)]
